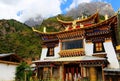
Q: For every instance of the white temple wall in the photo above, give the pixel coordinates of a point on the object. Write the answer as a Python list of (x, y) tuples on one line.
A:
[(7, 72), (111, 55), (88, 48), (57, 50), (43, 53)]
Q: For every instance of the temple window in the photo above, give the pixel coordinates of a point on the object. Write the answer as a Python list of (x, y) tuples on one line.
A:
[(50, 51), (98, 47), (74, 44)]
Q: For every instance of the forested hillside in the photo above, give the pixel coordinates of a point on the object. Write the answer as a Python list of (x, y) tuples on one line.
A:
[(18, 38)]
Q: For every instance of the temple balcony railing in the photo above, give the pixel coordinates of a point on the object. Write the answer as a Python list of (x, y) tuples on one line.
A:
[(72, 52)]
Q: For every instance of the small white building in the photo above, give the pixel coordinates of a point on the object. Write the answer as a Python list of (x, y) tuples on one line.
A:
[(8, 64)]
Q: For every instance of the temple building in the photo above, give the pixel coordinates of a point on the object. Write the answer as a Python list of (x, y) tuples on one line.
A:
[(86, 50)]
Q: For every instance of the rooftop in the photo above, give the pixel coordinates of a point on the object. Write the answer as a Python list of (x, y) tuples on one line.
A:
[(72, 59)]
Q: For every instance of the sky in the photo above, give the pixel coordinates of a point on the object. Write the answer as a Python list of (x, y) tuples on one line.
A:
[(22, 10)]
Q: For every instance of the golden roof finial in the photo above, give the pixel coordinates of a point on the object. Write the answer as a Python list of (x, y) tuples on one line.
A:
[(85, 17), (82, 16), (74, 24), (44, 29), (106, 16), (33, 28), (67, 28), (81, 25)]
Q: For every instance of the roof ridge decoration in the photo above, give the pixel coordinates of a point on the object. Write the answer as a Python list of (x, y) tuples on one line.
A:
[(111, 19), (78, 20), (44, 30), (37, 31)]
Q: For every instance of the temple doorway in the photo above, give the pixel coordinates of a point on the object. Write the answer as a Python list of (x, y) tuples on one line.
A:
[(72, 72)]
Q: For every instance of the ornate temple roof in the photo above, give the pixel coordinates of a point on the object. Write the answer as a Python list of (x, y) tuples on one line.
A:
[(79, 58), (83, 60), (108, 22), (91, 18), (75, 58), (93, 31), (80, 32)]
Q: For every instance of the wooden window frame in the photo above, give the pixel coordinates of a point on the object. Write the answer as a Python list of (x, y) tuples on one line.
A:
[(101, 47), (69, 41), (50, 51)]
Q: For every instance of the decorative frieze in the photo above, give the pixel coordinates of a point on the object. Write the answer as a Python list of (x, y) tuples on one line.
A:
[(71, 53)]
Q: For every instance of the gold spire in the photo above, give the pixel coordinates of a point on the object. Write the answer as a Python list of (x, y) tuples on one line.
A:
[(74, 24), (82, 16), (67, 28), (44, 29), (81, 25), (85, 17), (106, 16)]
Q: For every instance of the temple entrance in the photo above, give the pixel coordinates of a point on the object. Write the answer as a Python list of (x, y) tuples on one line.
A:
[(44, 73), (72, 72)]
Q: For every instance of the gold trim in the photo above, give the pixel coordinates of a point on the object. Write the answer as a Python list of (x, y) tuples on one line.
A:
[(118, 47), (51, 33), (108, 40), (73, 39), (89, 42), (80, 20), (72, 52)]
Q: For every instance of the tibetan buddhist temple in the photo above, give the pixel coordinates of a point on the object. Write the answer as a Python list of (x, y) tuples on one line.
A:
[(86, 50)]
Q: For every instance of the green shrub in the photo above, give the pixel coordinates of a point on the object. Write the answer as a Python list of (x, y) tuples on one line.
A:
[(23, 72)]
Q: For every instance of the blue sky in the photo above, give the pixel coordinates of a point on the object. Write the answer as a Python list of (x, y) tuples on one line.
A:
[(65, 5), (22, 10), (115, 4)]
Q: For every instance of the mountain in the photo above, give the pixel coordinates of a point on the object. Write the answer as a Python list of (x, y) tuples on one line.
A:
[(87, 9), (16, 37), (52, 24), (34, 21)]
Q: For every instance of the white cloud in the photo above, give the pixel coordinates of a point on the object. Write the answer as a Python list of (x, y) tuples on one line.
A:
[(10, 2), (28, 8), (24, 9), (75, 3)]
